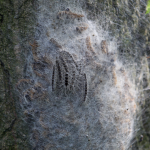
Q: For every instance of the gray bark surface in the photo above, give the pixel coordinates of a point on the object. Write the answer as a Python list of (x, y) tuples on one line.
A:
[(74, 75)]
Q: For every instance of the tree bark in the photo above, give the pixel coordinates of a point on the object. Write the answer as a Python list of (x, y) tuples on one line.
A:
[(74, 74)]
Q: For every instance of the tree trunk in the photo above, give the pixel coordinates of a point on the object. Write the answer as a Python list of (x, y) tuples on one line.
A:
[(74, 75)]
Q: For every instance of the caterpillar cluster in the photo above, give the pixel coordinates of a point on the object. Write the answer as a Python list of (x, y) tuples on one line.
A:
[(66, 75)]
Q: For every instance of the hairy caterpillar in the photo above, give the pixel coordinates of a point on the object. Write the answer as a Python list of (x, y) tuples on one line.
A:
[(69, 14), (104, 46)]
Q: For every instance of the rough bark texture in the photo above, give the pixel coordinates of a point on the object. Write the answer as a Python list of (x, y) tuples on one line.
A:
[(15, 30), (42, 60)]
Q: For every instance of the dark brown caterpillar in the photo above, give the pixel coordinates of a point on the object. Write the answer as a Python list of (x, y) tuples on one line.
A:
[(89, 45), (64, 64), (69, 14), (82, 28), (59, 71), (55, 43), (73, 78), (34, 46), (104, 46), (66, 79), (85, 93), (53, 75)]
